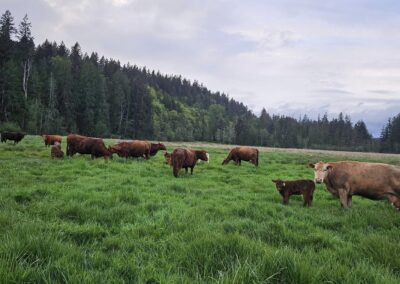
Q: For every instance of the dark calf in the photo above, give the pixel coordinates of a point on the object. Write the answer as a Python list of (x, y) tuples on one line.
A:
[(303, 187)]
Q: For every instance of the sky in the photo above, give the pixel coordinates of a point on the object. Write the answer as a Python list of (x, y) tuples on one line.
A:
[(293, 57)]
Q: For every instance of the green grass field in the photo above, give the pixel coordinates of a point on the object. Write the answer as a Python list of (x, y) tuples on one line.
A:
[(79, 220)]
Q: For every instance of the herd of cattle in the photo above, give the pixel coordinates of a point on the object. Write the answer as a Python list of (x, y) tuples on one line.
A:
[(343, 179)]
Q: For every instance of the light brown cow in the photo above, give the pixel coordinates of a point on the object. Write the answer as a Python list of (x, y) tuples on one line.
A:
[(238, 154), (371, 180), (51, 139)]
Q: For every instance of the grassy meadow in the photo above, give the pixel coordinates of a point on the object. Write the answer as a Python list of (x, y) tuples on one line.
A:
[(79, 220)]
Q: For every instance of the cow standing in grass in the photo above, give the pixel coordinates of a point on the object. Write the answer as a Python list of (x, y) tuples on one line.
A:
[(134, 149), (296, 187), (238, 154), (13, 136), (94, 147), (186, 158), (371, 180), (51, 139)]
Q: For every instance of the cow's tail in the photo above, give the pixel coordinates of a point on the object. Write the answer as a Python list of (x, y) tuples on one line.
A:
[(67, 151), (177, 162)]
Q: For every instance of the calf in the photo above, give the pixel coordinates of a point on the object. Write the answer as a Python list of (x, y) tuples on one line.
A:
[(303, 187), (56, 152)]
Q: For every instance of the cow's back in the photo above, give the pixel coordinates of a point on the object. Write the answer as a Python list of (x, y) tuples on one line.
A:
[(371, 180), (246, 153)]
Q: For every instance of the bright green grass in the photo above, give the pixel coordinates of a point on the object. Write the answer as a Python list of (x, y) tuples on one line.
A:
[(81, 220)]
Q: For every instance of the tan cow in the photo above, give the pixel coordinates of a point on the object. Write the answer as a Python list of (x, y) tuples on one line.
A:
[(238, 154), (371, 180)]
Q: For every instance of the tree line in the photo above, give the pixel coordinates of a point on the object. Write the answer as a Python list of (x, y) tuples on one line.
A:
[(50, 88)]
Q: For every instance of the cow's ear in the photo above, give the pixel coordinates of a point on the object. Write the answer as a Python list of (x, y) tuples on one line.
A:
[(311, 165), (284, 184), (329, 167), (274, 181)]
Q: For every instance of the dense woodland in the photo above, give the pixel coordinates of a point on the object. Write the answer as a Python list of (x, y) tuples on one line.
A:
[(50, 88)]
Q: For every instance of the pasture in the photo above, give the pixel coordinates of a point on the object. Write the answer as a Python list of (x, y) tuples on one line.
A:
[(92, 221)]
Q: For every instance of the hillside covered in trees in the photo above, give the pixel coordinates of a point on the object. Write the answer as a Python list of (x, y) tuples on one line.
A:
[(50, 88)]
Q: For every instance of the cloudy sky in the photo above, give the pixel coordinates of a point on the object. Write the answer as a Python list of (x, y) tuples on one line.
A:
[(292, 57)]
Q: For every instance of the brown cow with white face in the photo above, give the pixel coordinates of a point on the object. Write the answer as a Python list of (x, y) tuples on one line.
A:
[(371, 180)]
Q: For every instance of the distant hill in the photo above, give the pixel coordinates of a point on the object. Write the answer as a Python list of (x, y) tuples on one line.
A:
[(49, 88)]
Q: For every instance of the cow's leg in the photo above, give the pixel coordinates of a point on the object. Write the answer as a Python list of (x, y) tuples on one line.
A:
[(306, 199), (286, 198), (343, 197), (240, 162), (350, 201), (191, 170), (186, 170), (394, 200), (310, 198)]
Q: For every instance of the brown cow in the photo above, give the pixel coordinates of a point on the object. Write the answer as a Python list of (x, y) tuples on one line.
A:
[(303, 187), (134, 148), (371, 180), (51, 139), (238, 154), (56, 151), (73, 141), (155, 147), (87, 145), (186, 158)]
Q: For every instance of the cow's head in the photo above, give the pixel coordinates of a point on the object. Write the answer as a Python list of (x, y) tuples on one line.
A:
[(114, 148), (161, 146), (202, 155), (280, 184), (167, 157), (321, 171)]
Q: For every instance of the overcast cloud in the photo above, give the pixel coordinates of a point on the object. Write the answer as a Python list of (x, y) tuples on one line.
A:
[(292, 57)]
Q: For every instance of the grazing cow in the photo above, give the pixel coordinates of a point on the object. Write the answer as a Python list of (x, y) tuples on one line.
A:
[(303, 187), (51, 139), (56, 151), (155, 147), (238, 154), (371, 180), (186, 158), (134, 148), (13, 136), (87, 145)]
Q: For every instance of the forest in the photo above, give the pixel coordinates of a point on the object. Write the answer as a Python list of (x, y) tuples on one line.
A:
[(50, 88)]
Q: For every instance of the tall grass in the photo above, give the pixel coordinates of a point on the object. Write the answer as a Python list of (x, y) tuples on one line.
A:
[(82, 220)]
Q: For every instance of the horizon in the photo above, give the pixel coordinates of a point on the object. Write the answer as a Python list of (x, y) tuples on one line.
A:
[(291, 57)]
